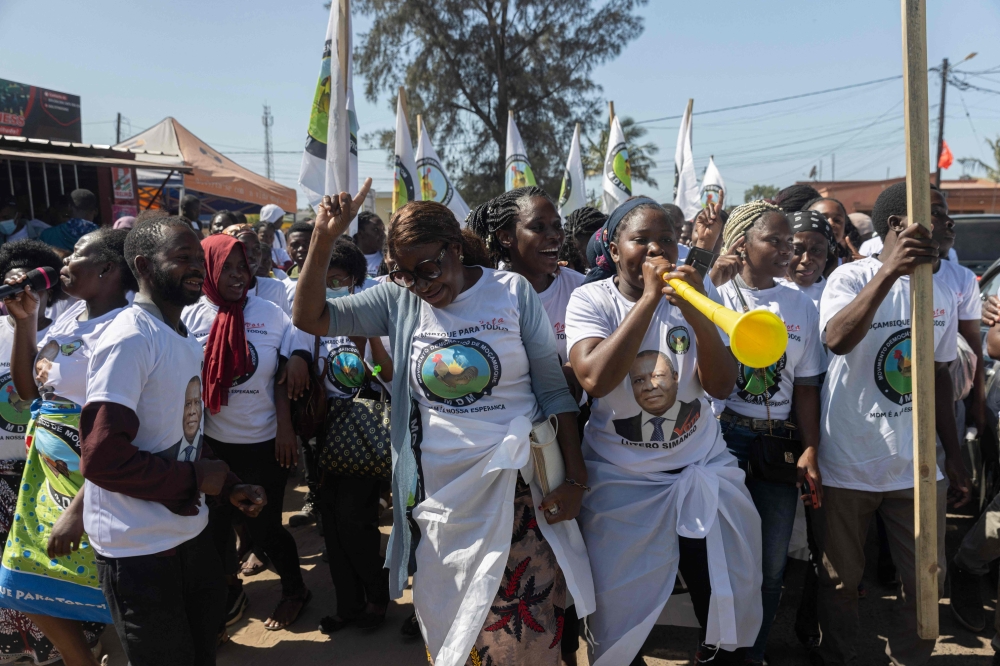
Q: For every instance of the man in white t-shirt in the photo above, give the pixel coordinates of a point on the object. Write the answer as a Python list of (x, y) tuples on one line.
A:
[(144, 507), (371, 239), (866, 431)]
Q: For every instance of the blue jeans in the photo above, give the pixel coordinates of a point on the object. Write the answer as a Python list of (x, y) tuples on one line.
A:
[(776, 504)]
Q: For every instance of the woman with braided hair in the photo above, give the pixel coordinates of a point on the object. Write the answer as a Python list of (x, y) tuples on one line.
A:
[(812, 247), (581, 225), (665, 494), (764, 399)]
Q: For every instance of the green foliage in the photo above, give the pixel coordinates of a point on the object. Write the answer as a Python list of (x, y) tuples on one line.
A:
[(640, 155), (992, 172), (465, 64), (760, 192)]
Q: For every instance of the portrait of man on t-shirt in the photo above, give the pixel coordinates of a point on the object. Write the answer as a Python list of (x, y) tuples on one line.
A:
[(189, 448), (661, 417)]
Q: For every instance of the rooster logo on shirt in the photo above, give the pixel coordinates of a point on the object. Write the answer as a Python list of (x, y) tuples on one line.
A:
[(458, 372), (892, 368)]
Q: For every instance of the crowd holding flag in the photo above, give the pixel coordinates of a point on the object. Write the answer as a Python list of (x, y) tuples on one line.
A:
[(403, 187), (517, 168), (572, 194), (333, 124), (713, 189), (616, 182), (686, 192), (435, 185)]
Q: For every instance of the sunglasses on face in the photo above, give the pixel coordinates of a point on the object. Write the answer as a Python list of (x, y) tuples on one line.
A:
[(427, 270)]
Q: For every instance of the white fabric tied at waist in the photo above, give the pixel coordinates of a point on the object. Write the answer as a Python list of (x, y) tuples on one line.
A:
[(470, 472), (631, 522)]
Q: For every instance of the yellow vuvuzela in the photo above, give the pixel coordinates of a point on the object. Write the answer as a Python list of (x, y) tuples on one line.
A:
[(758, 338)]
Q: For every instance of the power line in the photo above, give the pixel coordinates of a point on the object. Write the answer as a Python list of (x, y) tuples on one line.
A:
[(773, 101)]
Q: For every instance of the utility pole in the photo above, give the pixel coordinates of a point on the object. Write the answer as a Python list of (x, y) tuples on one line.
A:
[(940, 141), (118, 129), (268, 121)]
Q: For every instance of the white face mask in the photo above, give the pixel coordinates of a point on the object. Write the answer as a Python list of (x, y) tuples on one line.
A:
[(7, 227), (338, 292)]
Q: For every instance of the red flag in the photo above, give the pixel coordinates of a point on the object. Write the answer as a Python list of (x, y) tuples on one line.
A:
[(946, 159)]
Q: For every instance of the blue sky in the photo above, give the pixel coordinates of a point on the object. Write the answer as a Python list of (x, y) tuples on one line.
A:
[(212, 65)]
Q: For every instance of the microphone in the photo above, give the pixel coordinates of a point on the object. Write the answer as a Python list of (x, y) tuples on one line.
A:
[(40, 278)]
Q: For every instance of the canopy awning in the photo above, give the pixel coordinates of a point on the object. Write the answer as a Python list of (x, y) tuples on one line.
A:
[(59, 158)]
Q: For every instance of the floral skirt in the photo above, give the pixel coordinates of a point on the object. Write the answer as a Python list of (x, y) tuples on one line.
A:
[(525, 624), (19, 637)]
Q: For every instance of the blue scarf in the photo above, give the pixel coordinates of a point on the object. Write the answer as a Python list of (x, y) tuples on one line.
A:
[(604, 266)]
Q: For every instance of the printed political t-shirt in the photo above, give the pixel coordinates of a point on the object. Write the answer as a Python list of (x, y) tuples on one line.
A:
[(659, 418), (555, 299), (15, 412), (143, 364), (965, 286), (758, 390), (250, 417), (813, 291), (343, 366), (468, 358), (273, 290), (866, 423)]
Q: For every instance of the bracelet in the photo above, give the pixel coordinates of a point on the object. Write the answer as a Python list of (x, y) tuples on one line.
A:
[(574, 482)]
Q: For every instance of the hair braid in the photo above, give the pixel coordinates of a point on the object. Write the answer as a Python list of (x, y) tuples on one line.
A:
[(742, 218), (584, 220), (499, 213)]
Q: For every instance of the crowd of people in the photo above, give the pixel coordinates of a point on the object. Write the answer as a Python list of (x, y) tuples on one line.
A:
[(162, 393)]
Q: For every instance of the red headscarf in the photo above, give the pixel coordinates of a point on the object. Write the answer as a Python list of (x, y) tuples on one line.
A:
[(226, 354)]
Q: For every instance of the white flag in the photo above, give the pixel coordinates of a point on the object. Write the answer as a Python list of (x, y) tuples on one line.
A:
[(434, 182), (572, 194), (686, 192), (617, 181), (330, 159), (517, 170), (713, 190), (403, 188)]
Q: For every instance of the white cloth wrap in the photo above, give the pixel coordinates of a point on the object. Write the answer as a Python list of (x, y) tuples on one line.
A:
[(631, 522), (470, 472)]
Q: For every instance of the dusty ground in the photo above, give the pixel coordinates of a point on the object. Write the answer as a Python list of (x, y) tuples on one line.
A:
[(302, 644)]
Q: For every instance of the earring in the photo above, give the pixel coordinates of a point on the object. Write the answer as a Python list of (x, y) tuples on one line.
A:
[(461, 257), (101, 275)]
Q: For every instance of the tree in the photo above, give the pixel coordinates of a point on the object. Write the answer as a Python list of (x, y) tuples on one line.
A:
[(466, 63), (640, 156), (992, 172), (760, 192)]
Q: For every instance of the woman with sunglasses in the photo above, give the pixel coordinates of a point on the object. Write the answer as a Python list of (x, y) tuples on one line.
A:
[(481, 368)]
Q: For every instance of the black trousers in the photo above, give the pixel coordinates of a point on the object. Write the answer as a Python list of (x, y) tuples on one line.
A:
[(693, 566), (167, 608), (349, 509), (256, 464)]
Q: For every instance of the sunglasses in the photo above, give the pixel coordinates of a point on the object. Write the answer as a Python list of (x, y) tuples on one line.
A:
[(427, 270)]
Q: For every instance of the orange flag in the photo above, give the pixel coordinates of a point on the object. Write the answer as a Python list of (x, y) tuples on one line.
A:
[(946, 159)]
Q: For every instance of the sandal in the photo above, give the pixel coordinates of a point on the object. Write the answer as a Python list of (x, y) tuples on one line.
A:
[(248, 569), (303, 601)]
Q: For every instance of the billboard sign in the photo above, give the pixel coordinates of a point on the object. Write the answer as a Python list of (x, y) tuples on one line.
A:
[(37, 113)]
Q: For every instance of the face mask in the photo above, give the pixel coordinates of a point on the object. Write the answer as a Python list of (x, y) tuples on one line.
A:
[(338, 292), (7, 227)]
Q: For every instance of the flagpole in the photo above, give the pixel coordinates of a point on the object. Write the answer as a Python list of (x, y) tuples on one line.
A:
[(420, 124), (402, 102), (611, 112), (918, 206)]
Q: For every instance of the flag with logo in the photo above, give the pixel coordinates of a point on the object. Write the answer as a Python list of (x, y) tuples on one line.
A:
[(617, 180), (435, 185), (330, 158), (713, 189), (686, 192), (572, 194), (517, 171), (403, 186)]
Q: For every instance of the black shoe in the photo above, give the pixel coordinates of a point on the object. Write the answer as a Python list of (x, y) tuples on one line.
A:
[(967, 598), (236, 603), (331, 624), (372, 620), (307, 516), (410, 628), (706, 653)]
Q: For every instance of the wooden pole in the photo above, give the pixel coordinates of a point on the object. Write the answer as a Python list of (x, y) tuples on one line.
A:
[(420, 126), (402, 102), (918, 206), (611, 112)]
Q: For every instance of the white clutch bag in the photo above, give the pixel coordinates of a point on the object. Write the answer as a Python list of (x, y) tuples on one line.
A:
[(547, 456)]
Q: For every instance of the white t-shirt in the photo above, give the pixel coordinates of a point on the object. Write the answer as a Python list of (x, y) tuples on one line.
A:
[(64, 354), (804, 356), (964, 284), (468, 358), (555, 299), (344, 367), (250, 416), (273, 290), (14, 412), (874, 245), (143, 364), (659, 417), (279, 257), (813, 291), (866, 427), (374, 261)]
